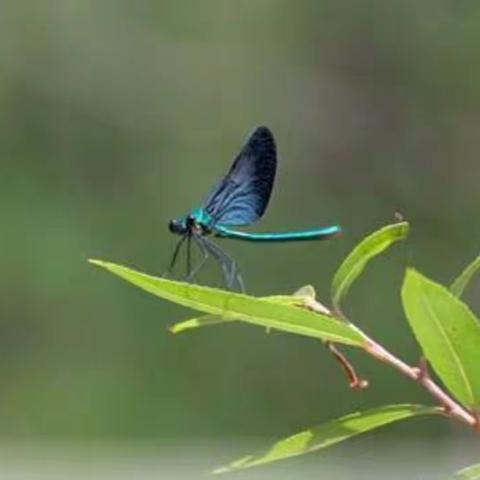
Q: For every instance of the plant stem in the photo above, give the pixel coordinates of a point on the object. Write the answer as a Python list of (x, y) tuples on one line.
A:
[(418, 374), (354, 380), (309, 302)]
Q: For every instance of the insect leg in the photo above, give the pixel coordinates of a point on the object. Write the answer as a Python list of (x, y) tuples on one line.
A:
[(189, 254), (199, 240), (230, 269), (238, 276), (221, 258), (174, 257)]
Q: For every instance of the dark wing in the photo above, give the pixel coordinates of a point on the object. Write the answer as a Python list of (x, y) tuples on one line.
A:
[(243, 195)]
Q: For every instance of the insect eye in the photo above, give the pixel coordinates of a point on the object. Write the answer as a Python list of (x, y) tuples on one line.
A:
[(175, 226)]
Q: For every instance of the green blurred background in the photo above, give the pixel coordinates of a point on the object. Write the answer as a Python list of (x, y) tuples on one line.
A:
[(117, 116)]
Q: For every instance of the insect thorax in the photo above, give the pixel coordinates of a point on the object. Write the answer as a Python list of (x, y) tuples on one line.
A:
[(202, 219)]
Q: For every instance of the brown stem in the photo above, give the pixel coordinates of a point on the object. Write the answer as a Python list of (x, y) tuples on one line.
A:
[(418, 374), (355, 381), (422, 369), (476, 415)]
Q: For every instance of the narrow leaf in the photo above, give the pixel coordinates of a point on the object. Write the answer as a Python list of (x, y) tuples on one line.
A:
[(300, 297), (469, 473), (448, 332), (329, 433), (357, 260), (203, 321), (461, 282), (246, 308)]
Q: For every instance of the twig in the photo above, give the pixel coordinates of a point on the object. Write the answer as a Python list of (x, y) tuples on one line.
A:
[(422, 369), (418, 374), (355, 381), (450, 407), (476, 415)]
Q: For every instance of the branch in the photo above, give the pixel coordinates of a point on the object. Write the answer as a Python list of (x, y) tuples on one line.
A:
[(418, 374), (355, 381)]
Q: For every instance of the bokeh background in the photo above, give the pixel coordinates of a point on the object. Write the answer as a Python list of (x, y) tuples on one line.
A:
[(116, 116)]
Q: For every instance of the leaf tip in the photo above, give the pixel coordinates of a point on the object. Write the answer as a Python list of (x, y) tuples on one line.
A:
[(175, 329), (243, 462), (405, 225), (95, 261), (220, 470)]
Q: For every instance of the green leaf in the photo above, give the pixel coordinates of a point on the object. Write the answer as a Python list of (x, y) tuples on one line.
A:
[(469, 473), (203, 321), (448, 332), (245, 308), (460, 283), (330, 433), (300, 297), (357, 260)]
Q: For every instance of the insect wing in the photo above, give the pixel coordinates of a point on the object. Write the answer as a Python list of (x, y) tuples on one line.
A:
[(242, 196)]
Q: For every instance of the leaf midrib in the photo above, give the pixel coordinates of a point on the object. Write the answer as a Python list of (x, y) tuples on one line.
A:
[(311, 331), (449, 346)]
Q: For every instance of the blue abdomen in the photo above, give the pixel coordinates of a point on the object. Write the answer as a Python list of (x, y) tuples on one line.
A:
[(304, 235)]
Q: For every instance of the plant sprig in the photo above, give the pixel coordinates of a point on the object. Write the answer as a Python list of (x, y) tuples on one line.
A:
[(447, 331)]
